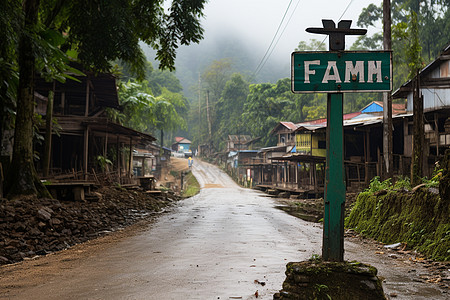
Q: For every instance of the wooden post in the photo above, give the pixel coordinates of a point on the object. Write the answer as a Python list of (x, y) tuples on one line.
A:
[(436, 133), (387, 98), (48, 132), (118, 157), (86, 153), (130, 159), (333, 230), (366, 157), (418, 137), (86, 108)]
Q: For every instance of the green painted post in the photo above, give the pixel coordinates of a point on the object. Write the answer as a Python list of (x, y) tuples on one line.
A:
[(333, 229)]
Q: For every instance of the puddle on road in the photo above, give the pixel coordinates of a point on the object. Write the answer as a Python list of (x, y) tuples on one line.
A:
[(300, 213)]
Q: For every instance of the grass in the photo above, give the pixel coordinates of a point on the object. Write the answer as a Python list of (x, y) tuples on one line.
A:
[(420, 219), (192, 186)]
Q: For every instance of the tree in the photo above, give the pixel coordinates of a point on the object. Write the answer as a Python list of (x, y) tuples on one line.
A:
[(409, 32), (264, 108), (229, 108), (10, 22), (210, 87), (314, 45), (167, 111), (101, 32), (433, 33)]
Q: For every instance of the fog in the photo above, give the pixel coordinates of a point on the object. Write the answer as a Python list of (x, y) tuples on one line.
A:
[(254, 35), (257, 21)]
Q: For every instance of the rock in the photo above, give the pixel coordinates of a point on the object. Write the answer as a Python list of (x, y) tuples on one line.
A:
[(338, 280), (55, 221), (393, 246), (40, 226), (284, 195), (45, 213), (14, 243)]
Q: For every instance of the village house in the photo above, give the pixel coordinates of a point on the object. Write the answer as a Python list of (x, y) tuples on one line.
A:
[(300, 167), (182, 146), (434, 86), (236, 142), (85, 144)]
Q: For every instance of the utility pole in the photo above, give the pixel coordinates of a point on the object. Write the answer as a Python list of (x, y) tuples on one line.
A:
[(199, 106), (387, 98), (207, 115)]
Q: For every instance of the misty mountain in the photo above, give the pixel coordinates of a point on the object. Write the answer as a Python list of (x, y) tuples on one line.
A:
[(194, 59)]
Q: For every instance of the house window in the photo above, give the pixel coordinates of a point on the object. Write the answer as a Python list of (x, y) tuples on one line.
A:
[(322, 144), (304, 141)]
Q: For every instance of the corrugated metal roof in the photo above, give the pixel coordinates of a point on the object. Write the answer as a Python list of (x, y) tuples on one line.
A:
[(182, 140), (240, 138), (406, 88), (289, 125)]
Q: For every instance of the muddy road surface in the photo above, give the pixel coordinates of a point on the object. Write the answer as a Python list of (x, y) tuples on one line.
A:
[(225, 243)]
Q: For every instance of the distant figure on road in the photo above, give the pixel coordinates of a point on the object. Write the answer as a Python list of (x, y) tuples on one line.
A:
[(190, 162)]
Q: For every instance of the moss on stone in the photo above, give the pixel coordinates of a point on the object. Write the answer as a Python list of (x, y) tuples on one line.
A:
[(317, 279), (420, 219)]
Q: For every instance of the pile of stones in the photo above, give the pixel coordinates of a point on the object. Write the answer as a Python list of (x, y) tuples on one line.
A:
[(30, 226)]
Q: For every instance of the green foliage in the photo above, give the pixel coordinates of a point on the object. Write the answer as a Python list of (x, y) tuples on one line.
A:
[(316, 258), (103, 162), (409, 33), (420, 219), (137, 102), (375, 185), (314, 45), (144, 112), (192, 186), (412, 44), (229, 109), (402, 183)]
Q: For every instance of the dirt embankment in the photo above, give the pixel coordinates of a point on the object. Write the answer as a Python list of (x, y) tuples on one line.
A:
[(30, 226)]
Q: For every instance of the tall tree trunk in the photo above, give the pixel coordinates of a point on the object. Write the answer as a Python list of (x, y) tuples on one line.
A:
[(22, 178)]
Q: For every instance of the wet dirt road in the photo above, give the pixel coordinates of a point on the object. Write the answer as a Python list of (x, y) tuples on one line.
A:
[(224, 243)]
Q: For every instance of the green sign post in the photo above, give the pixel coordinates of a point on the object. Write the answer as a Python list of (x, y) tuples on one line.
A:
[(328, 72), (335, 72)]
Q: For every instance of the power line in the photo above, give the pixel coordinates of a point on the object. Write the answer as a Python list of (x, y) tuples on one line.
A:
[(340, 18), (281, 34), (258, 68)]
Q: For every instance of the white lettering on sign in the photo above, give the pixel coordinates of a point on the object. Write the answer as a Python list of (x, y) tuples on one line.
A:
[(356, 69), (374, 69), (308, 71), (334, 76)]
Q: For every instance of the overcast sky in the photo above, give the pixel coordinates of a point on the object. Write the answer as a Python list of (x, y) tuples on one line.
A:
[(258, 20)]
